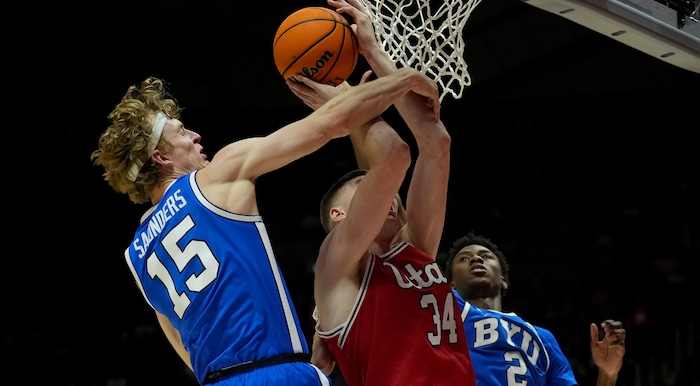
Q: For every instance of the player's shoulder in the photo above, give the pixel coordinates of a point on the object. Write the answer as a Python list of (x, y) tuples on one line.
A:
[(542, 330), (545, 334)]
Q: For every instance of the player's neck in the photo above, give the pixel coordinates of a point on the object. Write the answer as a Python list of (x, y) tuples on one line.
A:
[(489, 303), (157, 193), (387, 238)]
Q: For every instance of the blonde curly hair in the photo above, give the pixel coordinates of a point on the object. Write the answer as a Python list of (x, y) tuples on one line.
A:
[(125, 142)]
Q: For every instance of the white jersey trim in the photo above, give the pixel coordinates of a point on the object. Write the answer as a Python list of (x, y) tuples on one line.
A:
[(215, 209)]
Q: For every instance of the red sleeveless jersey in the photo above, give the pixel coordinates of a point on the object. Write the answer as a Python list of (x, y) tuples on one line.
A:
[(405, 327)]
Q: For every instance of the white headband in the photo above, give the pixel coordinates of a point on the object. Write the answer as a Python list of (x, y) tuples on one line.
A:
[(156, 132)]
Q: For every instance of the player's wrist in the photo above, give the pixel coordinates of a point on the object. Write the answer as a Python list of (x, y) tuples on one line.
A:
[(606, 378)]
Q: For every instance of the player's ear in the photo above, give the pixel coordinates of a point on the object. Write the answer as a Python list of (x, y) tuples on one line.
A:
[(158, 157), (504, 284), (337, 214)]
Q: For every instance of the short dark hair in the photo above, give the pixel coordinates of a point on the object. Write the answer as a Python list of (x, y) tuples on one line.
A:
[(474, 239), (329, 196)]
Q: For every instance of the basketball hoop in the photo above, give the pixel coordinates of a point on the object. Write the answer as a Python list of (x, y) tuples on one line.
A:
[(428, 40)]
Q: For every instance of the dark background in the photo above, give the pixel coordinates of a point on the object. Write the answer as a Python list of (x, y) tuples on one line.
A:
[(574, 153)]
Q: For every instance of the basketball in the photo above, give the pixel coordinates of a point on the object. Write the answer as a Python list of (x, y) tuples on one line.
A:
[(318, 43)]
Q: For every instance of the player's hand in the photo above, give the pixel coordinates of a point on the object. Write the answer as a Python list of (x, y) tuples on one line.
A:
[(427, 88), (608, 352), (315, 94), (321, 356), (312, 93), (361, 20)]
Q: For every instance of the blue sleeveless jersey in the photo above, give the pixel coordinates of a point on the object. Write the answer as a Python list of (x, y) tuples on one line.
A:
[(214, 275), (507, 351)]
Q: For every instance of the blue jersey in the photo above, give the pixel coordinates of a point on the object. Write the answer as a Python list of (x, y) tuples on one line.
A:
[(507, 351), (214, 275)]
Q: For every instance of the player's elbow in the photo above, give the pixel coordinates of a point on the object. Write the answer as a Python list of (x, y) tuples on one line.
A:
[(399, 155), (443, 140), (437, 146)]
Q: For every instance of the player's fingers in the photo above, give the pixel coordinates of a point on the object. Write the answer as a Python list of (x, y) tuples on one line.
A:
[(307, 82), (300, 90), (365, 76), (614, 332), (612, 324), (344, 7), (594, 333), (618, 342), (435, 103), (361, 9), (619, 335)]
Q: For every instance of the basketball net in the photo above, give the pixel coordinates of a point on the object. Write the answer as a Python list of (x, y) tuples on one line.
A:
[(430, 41)]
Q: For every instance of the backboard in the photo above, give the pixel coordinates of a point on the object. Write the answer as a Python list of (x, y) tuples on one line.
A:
[(669, 31)]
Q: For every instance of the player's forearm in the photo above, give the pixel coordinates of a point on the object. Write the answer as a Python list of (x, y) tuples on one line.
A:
[(366, 101), (357, 138), (380, 62), (412, 107)]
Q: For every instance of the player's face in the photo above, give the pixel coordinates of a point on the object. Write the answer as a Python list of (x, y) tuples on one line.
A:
[(476, 272), (186, 154)]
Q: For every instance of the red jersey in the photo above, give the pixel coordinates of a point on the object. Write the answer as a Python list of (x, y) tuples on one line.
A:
[(405, 327)]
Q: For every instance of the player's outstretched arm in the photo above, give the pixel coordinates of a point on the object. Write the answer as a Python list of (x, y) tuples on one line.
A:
[(609, 352)]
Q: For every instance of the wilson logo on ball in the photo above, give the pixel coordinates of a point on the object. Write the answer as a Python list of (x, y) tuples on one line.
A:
[(310, 72)]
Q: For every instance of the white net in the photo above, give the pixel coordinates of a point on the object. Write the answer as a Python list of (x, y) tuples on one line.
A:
[(414, 35)]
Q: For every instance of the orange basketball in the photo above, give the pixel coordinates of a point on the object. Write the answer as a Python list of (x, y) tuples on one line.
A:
[(318, 43)]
